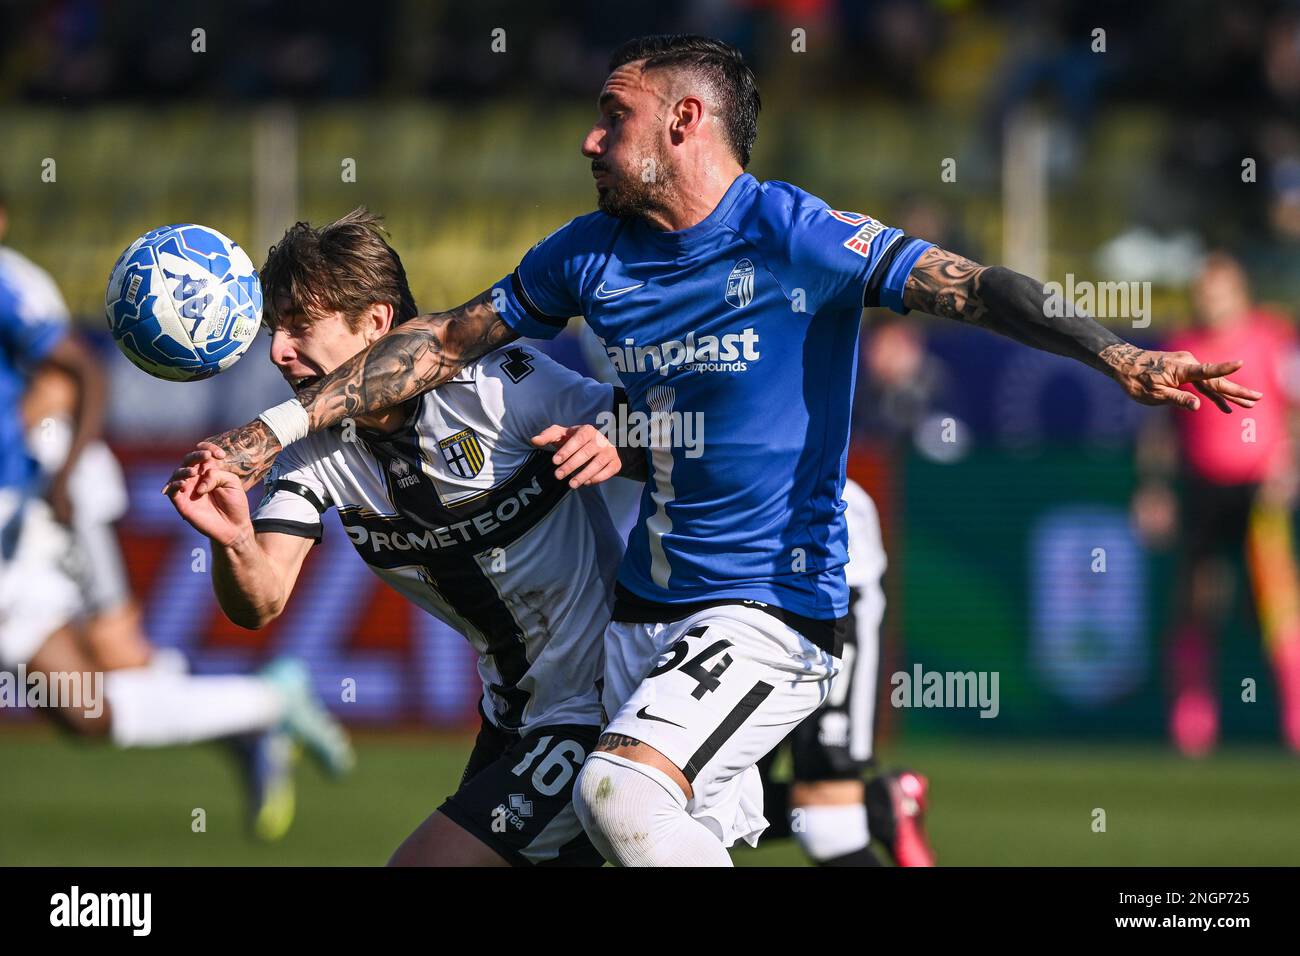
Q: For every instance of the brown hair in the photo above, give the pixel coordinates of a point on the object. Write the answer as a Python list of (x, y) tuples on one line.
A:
[(344, 266)]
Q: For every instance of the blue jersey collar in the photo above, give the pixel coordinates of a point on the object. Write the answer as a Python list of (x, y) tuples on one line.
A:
[(684, 238)]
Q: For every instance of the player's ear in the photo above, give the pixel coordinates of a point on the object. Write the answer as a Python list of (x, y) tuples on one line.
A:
[(687, 116), (378, 321)]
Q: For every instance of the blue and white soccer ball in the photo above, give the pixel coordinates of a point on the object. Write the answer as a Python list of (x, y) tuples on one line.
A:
[(183, 302)]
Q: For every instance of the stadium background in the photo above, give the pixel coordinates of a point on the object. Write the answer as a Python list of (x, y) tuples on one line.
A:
[(1120, 164)]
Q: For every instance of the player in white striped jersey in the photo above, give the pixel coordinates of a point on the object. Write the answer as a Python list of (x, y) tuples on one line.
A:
[(453, 501), (827, 807)]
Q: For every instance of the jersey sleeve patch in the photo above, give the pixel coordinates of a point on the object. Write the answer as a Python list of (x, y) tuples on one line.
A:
[(296, 488), (299, 529), (294, 501)]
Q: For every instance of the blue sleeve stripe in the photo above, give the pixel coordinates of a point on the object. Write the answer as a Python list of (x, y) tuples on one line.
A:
[(530, 306), (895, 271)]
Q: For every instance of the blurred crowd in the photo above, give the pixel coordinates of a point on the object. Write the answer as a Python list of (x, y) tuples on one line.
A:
[(1227, 70)]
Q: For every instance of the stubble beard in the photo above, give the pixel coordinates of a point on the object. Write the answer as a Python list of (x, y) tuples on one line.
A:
[(633, 195)]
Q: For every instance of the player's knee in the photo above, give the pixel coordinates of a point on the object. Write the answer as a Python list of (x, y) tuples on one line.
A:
[(828, 831), (621, 804)]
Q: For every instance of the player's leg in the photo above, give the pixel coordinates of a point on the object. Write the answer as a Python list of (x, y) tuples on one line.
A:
[(1201, 597), (116, 639), (832, 748), (514, 806), (113, 630), (1275, 583), (146, 706), (674, 781)]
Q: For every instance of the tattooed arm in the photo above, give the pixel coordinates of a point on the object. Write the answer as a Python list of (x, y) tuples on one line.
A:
[(413, 358), (996, 298)]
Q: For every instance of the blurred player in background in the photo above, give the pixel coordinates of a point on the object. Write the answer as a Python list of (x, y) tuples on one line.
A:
[(827, 807), (1236, 481), (451, 500), (64, 604)]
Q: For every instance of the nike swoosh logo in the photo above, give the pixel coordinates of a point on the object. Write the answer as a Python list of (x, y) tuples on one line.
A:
[(643, 715), (603, 293)]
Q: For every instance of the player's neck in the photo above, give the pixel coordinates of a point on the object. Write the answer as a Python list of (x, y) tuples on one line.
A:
[(694, 198), (384, 422)]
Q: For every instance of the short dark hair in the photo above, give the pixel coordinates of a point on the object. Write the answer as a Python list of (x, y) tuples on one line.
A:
[(344, 266), (721, 64)]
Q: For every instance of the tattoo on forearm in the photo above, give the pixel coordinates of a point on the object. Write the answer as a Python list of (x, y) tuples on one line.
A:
[(411, 359), (250, 451), (945, 284), (992, 297)]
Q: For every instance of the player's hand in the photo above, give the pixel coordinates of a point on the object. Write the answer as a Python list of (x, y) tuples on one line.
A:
[(221, 513), (582, 454), (247, 452), (1156, 378)]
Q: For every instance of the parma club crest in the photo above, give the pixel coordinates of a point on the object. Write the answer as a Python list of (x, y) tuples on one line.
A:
[(462, 453)]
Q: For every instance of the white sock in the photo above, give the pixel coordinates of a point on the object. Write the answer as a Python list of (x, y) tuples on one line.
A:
[(829, 831), (152, 708), (169, 660), (636, 816)]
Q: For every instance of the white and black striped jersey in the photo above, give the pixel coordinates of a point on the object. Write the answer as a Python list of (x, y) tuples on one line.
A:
[(463, 516), (866, 545)]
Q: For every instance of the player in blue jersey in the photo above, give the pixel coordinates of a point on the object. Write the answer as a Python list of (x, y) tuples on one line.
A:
[(730, 309)]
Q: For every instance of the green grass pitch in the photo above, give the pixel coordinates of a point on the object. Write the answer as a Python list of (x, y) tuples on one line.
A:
[(67, 803)]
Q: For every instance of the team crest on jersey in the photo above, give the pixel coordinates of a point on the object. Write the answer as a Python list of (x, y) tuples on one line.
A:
[(462, 453), (740, 284)]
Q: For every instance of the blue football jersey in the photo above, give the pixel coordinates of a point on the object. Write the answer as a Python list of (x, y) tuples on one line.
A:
[(742, 332), (33, 318)]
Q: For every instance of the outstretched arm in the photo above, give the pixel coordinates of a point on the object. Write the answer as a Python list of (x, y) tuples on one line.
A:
[(413, 358), (996, 298)]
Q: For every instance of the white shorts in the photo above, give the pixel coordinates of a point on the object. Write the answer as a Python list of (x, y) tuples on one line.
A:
[(38, 592), (713, 693)]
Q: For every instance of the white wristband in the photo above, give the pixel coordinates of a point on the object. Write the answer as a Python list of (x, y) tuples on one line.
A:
[(288, 421)]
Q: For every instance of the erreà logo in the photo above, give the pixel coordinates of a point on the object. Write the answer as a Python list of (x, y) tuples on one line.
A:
[(740, 284)]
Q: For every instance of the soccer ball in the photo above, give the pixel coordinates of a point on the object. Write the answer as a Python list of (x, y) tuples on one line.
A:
[(183, 302)]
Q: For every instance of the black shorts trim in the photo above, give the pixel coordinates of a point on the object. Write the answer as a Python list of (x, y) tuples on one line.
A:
[(631, 608)]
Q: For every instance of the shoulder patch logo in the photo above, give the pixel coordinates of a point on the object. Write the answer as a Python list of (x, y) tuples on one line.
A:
[(740, 284), (852, 218), (517, 364), (462, 453), (860, 241)]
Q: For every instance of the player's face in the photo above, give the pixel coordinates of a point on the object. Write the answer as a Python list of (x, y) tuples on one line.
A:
[(306, 348), (628, 146), (1221, 295)]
